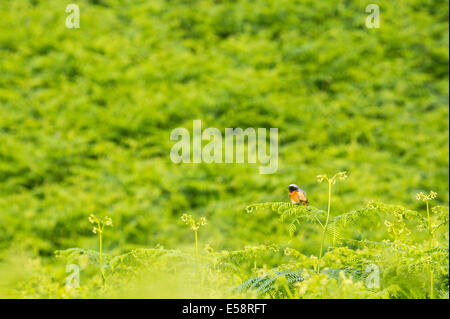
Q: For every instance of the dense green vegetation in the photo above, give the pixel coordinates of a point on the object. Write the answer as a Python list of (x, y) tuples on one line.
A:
[(85, 121)]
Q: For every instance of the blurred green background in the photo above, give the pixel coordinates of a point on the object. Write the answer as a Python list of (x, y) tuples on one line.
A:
[(86, 114)]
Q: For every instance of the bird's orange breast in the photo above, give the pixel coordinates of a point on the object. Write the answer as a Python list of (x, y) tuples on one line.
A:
[(293, 196)]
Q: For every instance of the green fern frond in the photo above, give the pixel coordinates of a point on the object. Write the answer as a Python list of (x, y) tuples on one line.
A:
[(73, 255), (229, 260), (267, 284)]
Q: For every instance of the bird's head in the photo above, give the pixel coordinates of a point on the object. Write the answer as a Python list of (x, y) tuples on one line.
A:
[(293, 187)]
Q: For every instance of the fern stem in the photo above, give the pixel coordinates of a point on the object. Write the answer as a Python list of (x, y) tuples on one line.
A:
[(101, 255), (431, 283), (432, 245), (196, 245), (325, 227), (433, 240), (101, 258)]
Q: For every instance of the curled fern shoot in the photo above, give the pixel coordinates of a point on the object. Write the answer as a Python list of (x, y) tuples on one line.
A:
[(331, 181), (195, 226), (427, 198), (99, 226)]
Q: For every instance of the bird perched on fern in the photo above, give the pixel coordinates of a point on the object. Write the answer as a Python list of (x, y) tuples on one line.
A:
[(297, 195)]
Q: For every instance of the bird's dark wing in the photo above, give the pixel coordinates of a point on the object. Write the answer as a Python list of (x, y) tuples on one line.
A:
[(302, 196)]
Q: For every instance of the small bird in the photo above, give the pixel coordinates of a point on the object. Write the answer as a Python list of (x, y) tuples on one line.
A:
[(297, 195)]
